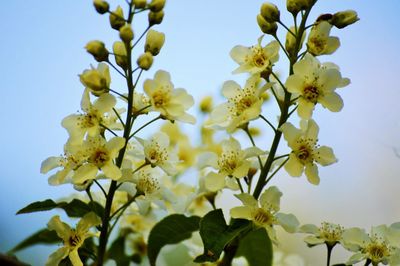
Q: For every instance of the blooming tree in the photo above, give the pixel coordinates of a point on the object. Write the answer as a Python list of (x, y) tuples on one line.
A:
[(132, 199)]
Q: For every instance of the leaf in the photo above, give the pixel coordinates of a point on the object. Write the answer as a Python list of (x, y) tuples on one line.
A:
[(117, 252), (75, 208), (256, 247), (43, 236), (38, 206), (216, 234), (170, 230)]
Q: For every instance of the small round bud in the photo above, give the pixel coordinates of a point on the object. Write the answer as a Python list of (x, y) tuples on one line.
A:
[(344, 18), (270, 12), (156, 17), (98, 50), (126, 33), (265, 26), (117, 18), (96, 80), (139, 4), (295, 6), (101, 6), (120, 54), (154, 42), (206, 104), (156, 5), (145, 61)]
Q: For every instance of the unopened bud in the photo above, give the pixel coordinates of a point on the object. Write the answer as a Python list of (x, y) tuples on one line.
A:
[(295, 6), (344, 18), (120, 54), (270, 12), (156, 17), (145, 61), (126, 33), (206, 104), (156, 5), (265, 26), (117, 18), (139, 4), (98, 50), (97, 80), (101, 6), (154, 42)]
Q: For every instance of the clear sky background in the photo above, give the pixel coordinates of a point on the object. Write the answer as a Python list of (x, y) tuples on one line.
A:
[(42, 54)]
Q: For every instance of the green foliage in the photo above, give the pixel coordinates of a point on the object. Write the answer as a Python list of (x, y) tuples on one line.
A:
[(75, 208), (256, 247), (43, 236), (216, 234), (117, 253), (170, 230)]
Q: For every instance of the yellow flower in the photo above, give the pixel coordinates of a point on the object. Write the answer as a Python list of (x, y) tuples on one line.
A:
[(265, 212), (243, 105), (154, 42), (92, 120), (158, 153), (73, 238), (101, 154), (255, 59), (315, 83), (305, 151), (169, 102), (232, 162), (97, 80), (319, 42)]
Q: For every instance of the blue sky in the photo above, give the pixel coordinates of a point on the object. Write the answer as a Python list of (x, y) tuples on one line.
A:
[(42, 54)]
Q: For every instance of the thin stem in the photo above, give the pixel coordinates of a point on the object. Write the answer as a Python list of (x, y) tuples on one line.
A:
[(115, 68), (281, 23), (269, 123), (119, 117), (277, 99), (137, 12), (111, 131), (280, 82), (101, 188), (291, 112), (276, 171), (119, 94), (328, 257), (280, 157), (140, 37), (240, 185), (137, 169), (281, 45), (254, 145), (133, 71), (145, 125), (309, 26)]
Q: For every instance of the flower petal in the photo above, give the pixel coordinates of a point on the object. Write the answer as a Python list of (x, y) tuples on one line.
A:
[(311, 172)]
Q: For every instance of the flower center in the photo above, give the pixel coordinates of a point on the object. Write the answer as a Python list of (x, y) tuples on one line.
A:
[(331, 233), (305, 150), (156, 154), (99, 157), (147, 184), (377, 250), (74, 240), (228, 161), (160, 98), (258, 57), (311, 93), (263, 217)]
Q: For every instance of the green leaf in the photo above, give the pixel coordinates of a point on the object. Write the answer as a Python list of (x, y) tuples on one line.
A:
[(75, 208), (43, 236), (117, 252), (38, 206), (216, 234), (256, 247), (170, 230)]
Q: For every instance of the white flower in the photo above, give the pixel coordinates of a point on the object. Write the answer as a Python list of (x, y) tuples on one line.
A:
[(101, 154), (305, 151), (73, 238), (319, 42), (169, 102), (232, 162), (265, 212), (243, 105), (380, 246), (255, 59), (315, 83), (93, 118), (329, 234), (157, 153)]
